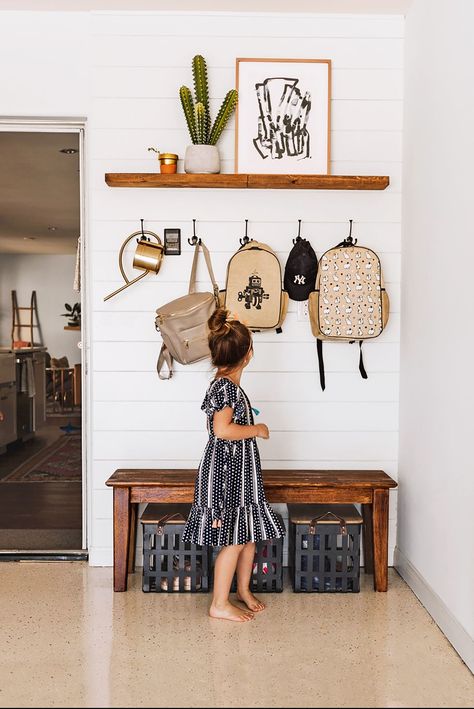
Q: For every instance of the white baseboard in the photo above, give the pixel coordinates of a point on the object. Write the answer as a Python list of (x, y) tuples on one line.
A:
[(459, 638), (101, 556)]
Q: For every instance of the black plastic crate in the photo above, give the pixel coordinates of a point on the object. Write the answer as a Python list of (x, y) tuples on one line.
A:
[(324, 548), (169, 564), (267, 573)]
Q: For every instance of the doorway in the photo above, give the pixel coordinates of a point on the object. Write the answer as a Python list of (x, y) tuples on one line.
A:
[(42, 363)]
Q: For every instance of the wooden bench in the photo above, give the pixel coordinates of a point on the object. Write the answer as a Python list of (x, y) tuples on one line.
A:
[(368, 487)]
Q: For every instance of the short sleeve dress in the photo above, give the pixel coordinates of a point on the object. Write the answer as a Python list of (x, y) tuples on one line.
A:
[(229, 484)]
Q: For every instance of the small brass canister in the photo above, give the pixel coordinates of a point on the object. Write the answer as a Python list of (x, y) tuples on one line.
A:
[(168, 162)]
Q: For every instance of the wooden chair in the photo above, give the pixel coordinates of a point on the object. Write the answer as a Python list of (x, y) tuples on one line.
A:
[(64, 384)]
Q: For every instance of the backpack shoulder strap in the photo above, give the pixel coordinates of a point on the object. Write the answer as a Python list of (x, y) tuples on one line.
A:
[(192, 279), (164, 357), (362, 371), (322, 375)]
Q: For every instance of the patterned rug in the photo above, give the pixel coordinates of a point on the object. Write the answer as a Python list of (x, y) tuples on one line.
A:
[(61, 461)]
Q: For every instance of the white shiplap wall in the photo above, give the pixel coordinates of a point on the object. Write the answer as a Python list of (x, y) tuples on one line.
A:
[(138, 63)]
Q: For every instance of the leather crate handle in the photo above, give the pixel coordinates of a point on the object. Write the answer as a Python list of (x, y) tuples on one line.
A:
[(160, 525), (341, 520)]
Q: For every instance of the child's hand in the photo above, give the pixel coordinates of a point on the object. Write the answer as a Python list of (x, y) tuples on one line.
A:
[(262, 431)]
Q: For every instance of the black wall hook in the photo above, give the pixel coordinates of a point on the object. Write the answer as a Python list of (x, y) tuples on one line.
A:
[(298, 238), (194, 239), (245, 239), (349, 239), (142, 237)]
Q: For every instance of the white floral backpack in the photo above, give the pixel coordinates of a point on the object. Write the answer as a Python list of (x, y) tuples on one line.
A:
[(349, 302)]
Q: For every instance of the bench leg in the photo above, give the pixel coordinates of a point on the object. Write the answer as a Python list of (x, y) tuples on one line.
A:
[(380, 528), (122, 514), (133, 538), (368, 539)]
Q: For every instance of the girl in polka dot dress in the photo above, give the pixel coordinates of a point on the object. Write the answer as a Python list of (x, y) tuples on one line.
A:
[(230, 509)]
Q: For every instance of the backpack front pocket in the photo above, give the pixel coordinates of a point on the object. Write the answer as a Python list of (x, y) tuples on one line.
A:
[(194, 343)]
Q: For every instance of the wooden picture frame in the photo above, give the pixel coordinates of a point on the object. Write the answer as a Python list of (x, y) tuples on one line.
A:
[(283, 116)]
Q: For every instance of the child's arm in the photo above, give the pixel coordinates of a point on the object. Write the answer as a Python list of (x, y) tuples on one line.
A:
[(227, 430)]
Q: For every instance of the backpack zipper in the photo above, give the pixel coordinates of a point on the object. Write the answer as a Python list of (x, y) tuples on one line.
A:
[(195, 339)]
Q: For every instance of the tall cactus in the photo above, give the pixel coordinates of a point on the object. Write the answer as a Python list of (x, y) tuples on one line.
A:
[(188, 108), (201, 91), (200, 115), (225, 112), (197, 114)]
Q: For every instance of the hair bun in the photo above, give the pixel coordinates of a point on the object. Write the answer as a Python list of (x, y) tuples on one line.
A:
[(229, 341), (217, 323)]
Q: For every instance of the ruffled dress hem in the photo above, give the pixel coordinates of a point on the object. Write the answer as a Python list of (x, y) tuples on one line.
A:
[(238, 525)]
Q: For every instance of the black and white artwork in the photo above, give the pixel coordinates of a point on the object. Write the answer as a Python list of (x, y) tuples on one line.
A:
[(284, 110), (283, 116)]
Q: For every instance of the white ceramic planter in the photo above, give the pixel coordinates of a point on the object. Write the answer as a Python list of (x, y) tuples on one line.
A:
[(202, 159)]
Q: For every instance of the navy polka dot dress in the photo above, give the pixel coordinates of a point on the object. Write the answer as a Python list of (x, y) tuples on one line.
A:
[(229, 483)]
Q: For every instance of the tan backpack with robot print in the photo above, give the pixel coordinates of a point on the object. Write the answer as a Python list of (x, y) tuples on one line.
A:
[(253, 289)]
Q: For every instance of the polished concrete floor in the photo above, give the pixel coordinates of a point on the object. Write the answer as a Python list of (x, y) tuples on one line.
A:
[(66, 640)]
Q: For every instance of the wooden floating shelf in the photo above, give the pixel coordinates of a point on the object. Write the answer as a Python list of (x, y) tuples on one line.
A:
[(247, 181), (69, 327)]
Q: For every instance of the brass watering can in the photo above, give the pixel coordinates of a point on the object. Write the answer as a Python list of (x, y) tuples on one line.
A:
[(148, 256)]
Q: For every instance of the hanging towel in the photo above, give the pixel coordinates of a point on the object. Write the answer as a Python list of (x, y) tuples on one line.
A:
[(27, 376), (77, 272)]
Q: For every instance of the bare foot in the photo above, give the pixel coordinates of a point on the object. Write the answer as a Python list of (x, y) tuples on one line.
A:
[(230, 612), (250, 601)]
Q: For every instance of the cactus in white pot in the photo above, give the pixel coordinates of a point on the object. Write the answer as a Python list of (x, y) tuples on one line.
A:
[(203, 156)]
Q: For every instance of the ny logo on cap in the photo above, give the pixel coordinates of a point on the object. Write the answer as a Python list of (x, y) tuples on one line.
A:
[(300, 280)]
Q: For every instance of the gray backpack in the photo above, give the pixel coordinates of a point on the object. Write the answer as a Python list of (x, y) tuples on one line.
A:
[(183, 322)]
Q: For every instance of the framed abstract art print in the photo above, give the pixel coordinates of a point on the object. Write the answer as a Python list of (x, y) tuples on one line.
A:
[(283, 116)]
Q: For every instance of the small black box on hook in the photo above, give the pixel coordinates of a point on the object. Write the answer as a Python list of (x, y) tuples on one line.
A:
[(172, 242)]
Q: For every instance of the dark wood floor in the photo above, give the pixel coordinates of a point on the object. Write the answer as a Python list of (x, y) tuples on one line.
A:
[(54, 505), (39, 515)]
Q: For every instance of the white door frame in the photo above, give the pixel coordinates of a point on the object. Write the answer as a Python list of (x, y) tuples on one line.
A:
[(20, 124)]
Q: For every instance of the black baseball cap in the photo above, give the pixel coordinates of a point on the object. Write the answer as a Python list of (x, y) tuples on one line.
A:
[(300, 270)]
